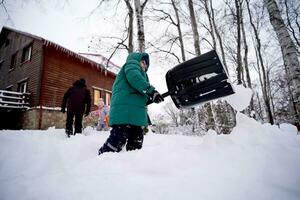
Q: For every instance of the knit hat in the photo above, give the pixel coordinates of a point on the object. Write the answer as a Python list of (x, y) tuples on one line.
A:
[(82, 80)]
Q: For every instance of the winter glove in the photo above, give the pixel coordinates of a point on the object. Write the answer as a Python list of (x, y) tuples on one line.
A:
[(156, 97), (63, 110)]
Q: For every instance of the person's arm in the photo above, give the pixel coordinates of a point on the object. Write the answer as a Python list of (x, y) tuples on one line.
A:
[(64, 102), (136, 79)]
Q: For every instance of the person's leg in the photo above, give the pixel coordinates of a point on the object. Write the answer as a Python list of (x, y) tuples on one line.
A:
[(135, 138), (69, 124), (105, 127), (78, 123), (116, 140), (100, 127)]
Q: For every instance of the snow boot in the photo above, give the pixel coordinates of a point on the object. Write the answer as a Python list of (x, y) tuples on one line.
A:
[(69, 132), (116, 140)]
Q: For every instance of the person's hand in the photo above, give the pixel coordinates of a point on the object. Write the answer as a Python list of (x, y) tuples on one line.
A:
[(156, 97), (63, 110)]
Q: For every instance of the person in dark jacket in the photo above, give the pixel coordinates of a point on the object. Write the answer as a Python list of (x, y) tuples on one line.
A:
[(78, 102), (128, 111)]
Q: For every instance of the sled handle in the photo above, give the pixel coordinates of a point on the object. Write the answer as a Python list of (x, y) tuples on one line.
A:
[(164, 95)]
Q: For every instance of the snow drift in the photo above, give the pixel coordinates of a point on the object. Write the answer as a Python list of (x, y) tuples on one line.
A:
[(254, 162)]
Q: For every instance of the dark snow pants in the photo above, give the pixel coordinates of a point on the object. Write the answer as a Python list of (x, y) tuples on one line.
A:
[(119, 135), (78, 123)]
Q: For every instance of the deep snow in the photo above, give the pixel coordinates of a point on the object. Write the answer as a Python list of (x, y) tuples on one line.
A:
[(255, 162)]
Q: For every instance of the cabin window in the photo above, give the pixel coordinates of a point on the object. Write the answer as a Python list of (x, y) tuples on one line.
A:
[(13, 61), (96, 96), (26, 54), (107, 98), (102, 93), (22, 86)]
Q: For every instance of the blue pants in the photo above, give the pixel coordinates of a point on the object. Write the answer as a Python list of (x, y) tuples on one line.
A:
[(119, 135)]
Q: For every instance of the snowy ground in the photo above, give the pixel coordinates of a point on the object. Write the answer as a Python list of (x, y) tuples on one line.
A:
[(255, 162)]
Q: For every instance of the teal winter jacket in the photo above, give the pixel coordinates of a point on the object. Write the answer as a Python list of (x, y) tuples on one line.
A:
[(130, 93)]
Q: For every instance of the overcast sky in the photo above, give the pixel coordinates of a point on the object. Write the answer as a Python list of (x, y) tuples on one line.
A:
[(68, 24)]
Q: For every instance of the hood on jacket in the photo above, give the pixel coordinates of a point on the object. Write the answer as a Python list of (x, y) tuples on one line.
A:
[(137, 56), (79, 83)]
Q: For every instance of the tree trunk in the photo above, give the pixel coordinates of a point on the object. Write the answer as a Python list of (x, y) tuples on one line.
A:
[(206, 6), (209, 117), (194, 28), (130, 26), (218, 35), (140, 24), (260, 111), (288, 50), (246, 67), (264, 77), (197, 49), (179, 29), (292, 30), (239, 58)]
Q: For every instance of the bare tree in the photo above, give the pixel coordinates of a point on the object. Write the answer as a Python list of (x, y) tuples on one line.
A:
[(264, 83), (130, 26), (209, 118), (139, 8), (171, 39), (127, 35), (210, 20), (292, 13), (238, 16), (4, 7), (288, 50), (122, 41), (217, 32), (194, 27), (178, 25), (172, 112), (233, 44), (246, 65)]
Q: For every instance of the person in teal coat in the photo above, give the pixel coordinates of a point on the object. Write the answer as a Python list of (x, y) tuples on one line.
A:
[(128, 111)]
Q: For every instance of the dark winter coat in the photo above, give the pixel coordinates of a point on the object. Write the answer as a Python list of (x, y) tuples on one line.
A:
[(130, 93), (77, 99)]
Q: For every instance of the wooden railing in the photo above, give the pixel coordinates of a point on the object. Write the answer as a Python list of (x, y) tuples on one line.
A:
[(14, 100)]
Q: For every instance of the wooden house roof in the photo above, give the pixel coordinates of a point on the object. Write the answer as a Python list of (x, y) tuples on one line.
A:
[(110, 69)]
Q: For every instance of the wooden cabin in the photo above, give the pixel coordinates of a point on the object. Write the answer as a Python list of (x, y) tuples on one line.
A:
[(45, 70)]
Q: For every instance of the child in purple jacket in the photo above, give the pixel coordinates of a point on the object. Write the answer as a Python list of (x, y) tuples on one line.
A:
[(102, 112)]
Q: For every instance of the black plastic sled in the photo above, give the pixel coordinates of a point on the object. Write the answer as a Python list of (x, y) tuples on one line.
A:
[(198, 80)]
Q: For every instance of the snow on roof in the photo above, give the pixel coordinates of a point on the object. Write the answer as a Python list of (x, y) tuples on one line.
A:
[(98, 58), (85, 58)]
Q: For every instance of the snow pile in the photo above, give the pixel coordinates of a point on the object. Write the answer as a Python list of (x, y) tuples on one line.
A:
[(108, 65), (254, 162), (240, 100)]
